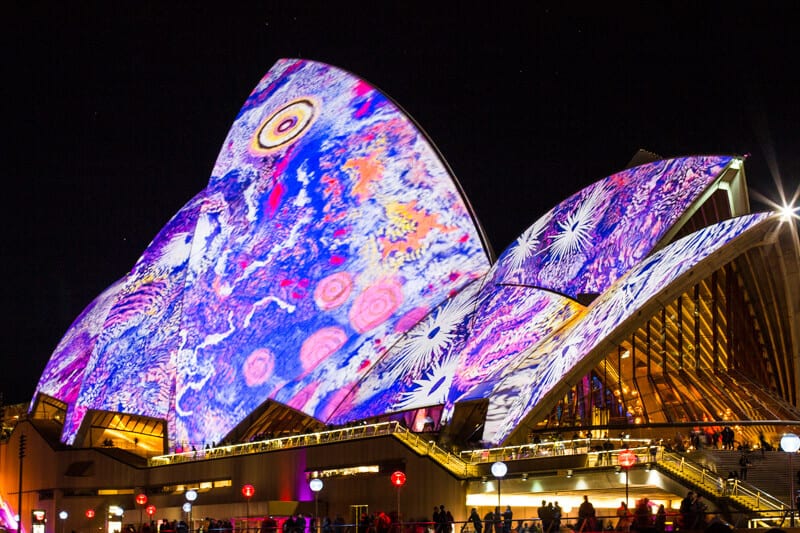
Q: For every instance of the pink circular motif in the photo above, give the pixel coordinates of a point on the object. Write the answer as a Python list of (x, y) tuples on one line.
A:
[(333, 290), (258, 367), (376, 304), (320, 345)]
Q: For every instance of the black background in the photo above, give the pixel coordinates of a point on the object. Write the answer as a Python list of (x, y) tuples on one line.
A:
[(113, 116)]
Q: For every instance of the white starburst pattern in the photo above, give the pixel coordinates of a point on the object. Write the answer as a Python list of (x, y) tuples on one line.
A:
[(526, 244), (575, 232), (432, 388), (432, 337)]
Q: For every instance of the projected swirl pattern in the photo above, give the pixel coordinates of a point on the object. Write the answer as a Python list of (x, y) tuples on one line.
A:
[(327, 222), (589, 240), (524, 385), (332, 265)]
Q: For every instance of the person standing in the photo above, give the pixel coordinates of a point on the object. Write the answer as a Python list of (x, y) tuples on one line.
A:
[(661, 519), (623, 517), (449, 522), (475, 519), (653, 451), (437, 520), (508, 515), (586, 515), (382, 522), (699, 509), (498, 520), (556, 518), (744, 463), (687, 518), (488, 520), (269, 525), (608, 446), (543, 518), (727, 438), (644, 518)]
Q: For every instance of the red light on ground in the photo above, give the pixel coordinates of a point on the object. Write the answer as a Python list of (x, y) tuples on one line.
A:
[(89, 513), (398, 479), (141, 498), (150, 509), (626, 458), (248, 491)]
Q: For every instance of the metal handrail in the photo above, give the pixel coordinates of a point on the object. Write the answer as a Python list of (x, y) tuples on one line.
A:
[(548, 448), (295, 441), (450, 461), (746, 494)]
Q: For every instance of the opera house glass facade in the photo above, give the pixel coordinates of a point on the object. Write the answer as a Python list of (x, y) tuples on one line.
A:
[(332, 273)]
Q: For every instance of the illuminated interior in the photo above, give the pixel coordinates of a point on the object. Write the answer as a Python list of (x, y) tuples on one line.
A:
[(519, 392)]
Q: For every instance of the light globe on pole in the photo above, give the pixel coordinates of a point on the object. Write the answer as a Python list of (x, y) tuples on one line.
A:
[(141, 501), (398, 480), (248, 491), (626, 460), (191, 496), (790, 443), (316, 485), (499, 470), (63, 515)]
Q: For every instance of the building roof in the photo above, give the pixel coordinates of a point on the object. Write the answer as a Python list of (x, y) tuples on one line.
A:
[(333, 265)]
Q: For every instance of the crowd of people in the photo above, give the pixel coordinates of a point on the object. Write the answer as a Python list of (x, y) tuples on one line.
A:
[(495, 521), (644, 517), (692, 516)]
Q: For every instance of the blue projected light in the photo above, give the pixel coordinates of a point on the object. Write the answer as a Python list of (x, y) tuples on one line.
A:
[(332, 265)]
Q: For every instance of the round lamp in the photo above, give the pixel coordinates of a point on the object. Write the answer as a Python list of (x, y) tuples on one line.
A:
[(790, 443), (150, 509), (141, 498), (315, 484), (187, 507), (626, 458), (191, 495), (63, 515), (248, 491), (499, 469), (89, 513), (398, 479)]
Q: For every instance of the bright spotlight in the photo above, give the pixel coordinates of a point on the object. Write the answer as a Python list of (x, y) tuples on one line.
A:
[(787, 212)]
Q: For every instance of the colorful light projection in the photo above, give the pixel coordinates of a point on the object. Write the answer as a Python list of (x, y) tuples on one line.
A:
[(332, 265), (329, 226), (513, 396), (589, 240), (482, 330), (470, 337)]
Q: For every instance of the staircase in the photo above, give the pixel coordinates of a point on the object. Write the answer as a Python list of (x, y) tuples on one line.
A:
[(451, 462), (769, 472), (703, 472)]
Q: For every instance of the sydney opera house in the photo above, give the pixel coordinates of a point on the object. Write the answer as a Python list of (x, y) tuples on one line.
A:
[(328, 307)]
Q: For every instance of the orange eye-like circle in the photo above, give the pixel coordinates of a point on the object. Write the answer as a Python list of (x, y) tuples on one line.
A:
[(284, 125)]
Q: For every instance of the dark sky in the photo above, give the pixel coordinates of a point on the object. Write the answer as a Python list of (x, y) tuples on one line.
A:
[(113, 116)]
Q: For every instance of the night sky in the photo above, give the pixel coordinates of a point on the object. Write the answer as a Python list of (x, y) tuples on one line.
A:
[(113, 116)]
